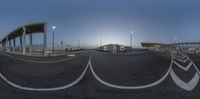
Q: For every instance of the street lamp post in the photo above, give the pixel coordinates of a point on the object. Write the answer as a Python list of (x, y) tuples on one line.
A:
[(101, 42), (78, 44), (53, 28), (175, 46), (61, 45), (131, 39)]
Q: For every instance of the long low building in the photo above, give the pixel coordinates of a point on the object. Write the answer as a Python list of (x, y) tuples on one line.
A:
[(113, 48), (152, 45), (189, 47), (159, 45)]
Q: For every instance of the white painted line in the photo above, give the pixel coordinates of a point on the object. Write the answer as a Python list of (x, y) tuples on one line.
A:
[(71, 55), (130, 87), (181, 59), (46, 89), (186, 86), (192, 83), (182, 67), (194, 65)]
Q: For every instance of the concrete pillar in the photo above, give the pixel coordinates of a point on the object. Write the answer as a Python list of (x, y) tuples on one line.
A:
[(6, 43), (45, 40), (13, 44), (3, 44), (31, 43), (9, 48), (24, 41), (20, 45)]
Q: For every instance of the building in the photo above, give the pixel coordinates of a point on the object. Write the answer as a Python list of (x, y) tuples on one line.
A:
[(188, 47), (114, 48), (152, 45)]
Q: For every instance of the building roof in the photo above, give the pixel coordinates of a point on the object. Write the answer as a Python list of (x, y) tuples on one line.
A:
[(151, 43), (30, 28)]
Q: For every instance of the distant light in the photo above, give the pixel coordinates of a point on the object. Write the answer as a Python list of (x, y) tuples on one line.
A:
[(53, 27), (132, 32)]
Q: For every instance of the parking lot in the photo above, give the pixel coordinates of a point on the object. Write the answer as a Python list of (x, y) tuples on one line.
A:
[(98, 75)]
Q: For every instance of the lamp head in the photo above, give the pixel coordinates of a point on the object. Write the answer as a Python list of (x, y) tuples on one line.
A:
[(53, 27)]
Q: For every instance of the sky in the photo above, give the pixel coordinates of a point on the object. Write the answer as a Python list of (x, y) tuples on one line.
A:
[(105, 21)]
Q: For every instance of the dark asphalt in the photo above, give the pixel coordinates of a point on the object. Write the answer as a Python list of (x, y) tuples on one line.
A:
[(40, 74), (41, 58), (137, 69)]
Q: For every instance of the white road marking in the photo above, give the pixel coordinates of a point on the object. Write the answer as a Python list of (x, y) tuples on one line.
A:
[(182, 67), (181, 59), (71, 55), (129, 87), (192, 83), (186, 86), (46, 89), (194, 65)]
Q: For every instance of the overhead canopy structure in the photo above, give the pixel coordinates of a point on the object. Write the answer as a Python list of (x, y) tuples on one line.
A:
[(31, 28), (151, 45), (21, 32), (159, 45)]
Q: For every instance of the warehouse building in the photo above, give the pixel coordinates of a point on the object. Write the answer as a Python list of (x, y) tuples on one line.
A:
[(152, 45), (114, 48)]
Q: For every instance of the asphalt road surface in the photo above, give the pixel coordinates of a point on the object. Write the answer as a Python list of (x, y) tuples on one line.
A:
[(123, 70)]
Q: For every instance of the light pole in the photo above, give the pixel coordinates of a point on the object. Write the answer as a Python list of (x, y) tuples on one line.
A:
[(131, 39), (175, 46), (78, 44), (101, 42), (175, 39), (53, 28), (61, 45)]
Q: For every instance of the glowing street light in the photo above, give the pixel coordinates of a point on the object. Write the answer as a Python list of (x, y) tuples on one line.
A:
[(53, 27)]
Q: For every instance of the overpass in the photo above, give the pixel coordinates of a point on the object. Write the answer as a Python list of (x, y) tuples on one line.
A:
[(182, 44), (21, 33), (188, 44)]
